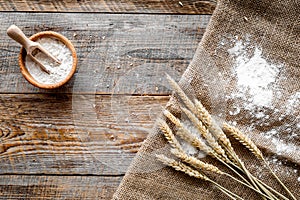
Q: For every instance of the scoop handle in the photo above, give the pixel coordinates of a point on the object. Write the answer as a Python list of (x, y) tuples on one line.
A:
[(17, 34)]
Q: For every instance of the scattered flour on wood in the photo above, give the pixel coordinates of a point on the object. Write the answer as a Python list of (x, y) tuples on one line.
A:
[(58, 72)]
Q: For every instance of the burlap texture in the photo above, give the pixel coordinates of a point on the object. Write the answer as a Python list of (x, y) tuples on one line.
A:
[(273, 27)]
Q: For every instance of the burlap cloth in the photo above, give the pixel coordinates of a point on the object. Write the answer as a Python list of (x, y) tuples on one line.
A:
[(273, 27)]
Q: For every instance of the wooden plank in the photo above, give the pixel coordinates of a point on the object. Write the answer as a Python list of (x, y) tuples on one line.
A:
[(117, 53), (57, 187), (111, 6), (73, 134)]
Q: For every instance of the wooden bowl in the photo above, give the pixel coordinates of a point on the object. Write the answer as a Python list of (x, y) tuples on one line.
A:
[(27, 75)]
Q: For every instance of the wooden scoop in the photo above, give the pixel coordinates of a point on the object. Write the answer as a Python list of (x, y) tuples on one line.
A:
[(15, 33)]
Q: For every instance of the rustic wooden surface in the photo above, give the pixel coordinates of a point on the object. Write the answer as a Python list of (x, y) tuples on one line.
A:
[(57, 187), (38, 139), (77, 142), (109, 47), (115, 6)]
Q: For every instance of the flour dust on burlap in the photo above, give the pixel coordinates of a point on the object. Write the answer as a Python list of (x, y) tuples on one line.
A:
[(256, 98)]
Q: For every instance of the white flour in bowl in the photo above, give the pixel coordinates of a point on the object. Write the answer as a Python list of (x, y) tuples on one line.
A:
[(58, 72)]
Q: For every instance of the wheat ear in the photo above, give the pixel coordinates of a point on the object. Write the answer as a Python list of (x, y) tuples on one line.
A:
[(203, 114), (168, 133), (194, 162), (219, 135), (172, 118), (212, 126), (186, 100), (243, 139), (186, 135), (179, 166), (204, 132)]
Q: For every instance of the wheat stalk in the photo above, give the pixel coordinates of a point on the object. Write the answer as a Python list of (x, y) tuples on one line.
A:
[(281, 183), (271, 189), (250, 145)]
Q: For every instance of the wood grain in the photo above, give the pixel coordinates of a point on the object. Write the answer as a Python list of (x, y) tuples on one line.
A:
[(57, 187), (111, 6), (77, 142), (117, 53), (73, 134)]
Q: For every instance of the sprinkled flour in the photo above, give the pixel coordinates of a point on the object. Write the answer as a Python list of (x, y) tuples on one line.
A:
[(186, 146), (292, 103), (255, 78), (257, 94), (58, 72)]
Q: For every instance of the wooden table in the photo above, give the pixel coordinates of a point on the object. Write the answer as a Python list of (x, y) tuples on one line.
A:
[(77, 141)]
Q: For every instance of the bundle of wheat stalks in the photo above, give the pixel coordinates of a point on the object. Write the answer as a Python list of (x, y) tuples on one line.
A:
[(213, 141)]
